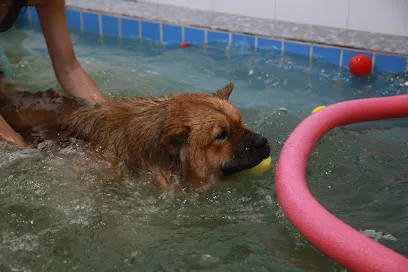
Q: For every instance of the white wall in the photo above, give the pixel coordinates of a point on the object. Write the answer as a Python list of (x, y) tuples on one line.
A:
[(383, 16)]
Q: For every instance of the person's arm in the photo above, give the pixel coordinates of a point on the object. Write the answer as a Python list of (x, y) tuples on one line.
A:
[(69, 72)]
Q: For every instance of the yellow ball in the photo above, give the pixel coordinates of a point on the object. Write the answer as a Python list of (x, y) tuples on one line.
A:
[(318, 108), (261, 168)]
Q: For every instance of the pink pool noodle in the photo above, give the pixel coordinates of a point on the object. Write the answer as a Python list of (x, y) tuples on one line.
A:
[(340, 242)]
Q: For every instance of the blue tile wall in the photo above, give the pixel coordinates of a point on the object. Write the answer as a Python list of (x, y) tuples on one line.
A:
[(213, 36), (238, 39), (24, 14), (73, 19), (384, 63), (151, 31), (23, 18), (130, 27), (172, 34), (194, 35), (34, 15), (90, 22), (297, 48), (349, 54), (329, 54), (264, 43), (110, 25)]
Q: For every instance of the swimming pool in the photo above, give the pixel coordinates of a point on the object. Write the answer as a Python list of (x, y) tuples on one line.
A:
[(56, 214)]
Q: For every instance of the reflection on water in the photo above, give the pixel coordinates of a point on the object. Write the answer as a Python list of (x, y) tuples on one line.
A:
[(59, 213)]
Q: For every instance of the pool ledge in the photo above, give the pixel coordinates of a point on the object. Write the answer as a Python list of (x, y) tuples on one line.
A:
[(172, 25)]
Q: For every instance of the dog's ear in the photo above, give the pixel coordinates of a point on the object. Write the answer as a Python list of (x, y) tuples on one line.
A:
[(173, 138), (225, 92)]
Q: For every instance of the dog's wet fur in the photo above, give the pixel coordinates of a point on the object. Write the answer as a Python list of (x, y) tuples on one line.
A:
[(194, 140)]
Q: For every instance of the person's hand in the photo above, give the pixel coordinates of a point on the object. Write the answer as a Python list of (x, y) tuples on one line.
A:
[(96, 97), (79, 84), (9, 135)]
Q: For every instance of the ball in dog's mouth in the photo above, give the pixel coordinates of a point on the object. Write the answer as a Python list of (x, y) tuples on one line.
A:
[(232, 169), (261, 168), (249, 155)]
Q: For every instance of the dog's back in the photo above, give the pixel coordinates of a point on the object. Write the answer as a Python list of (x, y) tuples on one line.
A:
[(33, 114), (127, 127)]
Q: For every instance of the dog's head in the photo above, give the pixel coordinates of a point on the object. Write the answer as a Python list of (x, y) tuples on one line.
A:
[(206, 134)]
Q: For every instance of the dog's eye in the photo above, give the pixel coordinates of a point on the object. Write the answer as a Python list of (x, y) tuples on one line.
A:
[(223, 135)]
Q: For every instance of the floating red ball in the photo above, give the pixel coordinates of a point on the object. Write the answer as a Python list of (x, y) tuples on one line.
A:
[(184, 44), (360, 65)]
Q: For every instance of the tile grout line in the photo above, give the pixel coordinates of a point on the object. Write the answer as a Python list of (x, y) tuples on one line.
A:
[(205, 36), (373, 63), (341, 59), (282, 47), (100, 26), (121, 42), (119, 27), (161, 33), (282, 56), (140, 28), (406, 64), (81, 21), (282, 52)]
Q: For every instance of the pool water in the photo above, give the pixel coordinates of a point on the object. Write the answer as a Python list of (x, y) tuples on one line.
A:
[(57, 213)]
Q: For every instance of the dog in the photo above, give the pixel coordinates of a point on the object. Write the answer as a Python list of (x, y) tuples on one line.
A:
[(192, 140)]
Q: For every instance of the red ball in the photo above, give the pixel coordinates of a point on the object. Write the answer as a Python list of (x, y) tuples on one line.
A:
[(184, 44), (360, 65)]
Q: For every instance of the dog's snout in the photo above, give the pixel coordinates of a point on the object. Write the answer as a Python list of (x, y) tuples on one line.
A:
[(260, 141)]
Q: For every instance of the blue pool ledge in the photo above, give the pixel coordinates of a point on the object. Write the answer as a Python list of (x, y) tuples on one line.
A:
[(168, 33)]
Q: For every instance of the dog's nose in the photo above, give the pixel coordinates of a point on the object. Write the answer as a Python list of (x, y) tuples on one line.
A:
[(260, 141)]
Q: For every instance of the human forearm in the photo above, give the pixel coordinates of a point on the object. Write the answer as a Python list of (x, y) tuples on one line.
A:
[(69, 72)]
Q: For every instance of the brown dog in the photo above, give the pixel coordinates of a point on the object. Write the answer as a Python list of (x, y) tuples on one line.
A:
[(193, 140)]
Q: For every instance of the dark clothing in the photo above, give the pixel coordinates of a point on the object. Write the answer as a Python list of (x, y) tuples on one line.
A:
[(12, 14)]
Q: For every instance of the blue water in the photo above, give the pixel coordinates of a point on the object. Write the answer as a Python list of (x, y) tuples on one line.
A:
[(58, 215)]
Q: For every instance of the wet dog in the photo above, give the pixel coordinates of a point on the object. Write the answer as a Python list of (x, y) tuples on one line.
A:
[(194, 140)]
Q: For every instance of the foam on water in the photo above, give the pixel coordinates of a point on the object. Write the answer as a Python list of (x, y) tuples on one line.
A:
[(60, 212)]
